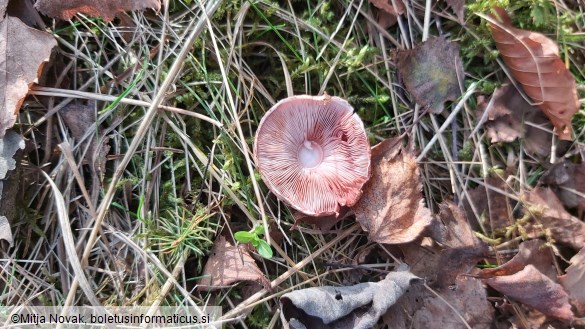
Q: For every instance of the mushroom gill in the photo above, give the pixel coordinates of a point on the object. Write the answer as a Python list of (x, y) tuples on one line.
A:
[(313, 153)]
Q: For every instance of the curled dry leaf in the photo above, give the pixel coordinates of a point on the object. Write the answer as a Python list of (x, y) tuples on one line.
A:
[(574, 281), (352, 307), (532, 288), (388, 13), (228, 264), (431, 72), (458, 7), (107, 9), (549, 212), (533, 252), (507, 114), (24, 52), (391, 208), (534, 62)]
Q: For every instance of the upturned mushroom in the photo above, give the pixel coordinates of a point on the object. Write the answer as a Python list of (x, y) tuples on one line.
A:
[(313, 153)]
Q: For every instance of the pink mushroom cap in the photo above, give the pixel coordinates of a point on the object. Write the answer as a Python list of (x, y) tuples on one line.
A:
[(313, 153)]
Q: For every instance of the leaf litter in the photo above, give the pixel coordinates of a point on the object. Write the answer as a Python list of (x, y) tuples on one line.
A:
[(107, 9)]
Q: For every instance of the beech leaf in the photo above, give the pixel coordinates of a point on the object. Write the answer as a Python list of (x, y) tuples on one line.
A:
[(24, 50), (228, 264), (358, 306), (534, 62), (107, 9), (391, 208), (574, 281), (431, 72), (530, 287)]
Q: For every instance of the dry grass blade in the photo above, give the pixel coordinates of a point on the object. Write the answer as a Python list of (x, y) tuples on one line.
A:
[(535, 63), (69, 243)]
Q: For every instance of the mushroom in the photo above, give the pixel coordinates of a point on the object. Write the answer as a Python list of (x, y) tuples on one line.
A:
[(313, 153)]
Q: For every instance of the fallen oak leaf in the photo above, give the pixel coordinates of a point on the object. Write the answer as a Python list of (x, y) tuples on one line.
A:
[(24, 51), (391, 208), (431, 72), (107, 9), (534, 62), (358, 306), (574, 280), (532, 288), (229, 264)]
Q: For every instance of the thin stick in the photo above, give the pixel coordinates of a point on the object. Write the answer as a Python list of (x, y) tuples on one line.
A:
[(447, 122)]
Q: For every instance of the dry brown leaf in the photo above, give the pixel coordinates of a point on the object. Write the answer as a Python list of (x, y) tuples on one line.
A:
[(391, 208), (24, 51), (467, 296), (350, 307), (548, 209), (567, 180), (431, 72), (388, 13), (228, 264), (490, 206), (532, 288), (533, 252), (574, 281), (107, 9), (463, 249), (534, 62), (506, 119), (458, 7)]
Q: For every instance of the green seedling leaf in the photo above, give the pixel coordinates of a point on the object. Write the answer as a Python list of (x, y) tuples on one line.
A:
[(245, 237), (259, 230), (264, 249)]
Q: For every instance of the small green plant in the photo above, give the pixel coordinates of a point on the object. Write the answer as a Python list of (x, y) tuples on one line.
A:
[(253, 237)]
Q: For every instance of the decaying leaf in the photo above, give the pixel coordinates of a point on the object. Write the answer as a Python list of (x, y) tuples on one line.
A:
[(467, 296), (508, 113), (530, 287), (5, 231), (463, 250), (358, 306), (391, 208), (534, 62), (24, 50), (388, 13), (432, 72), (567, 179), (549, 212), (228, 264), (107, 9), (574, 281), (458, 7)]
